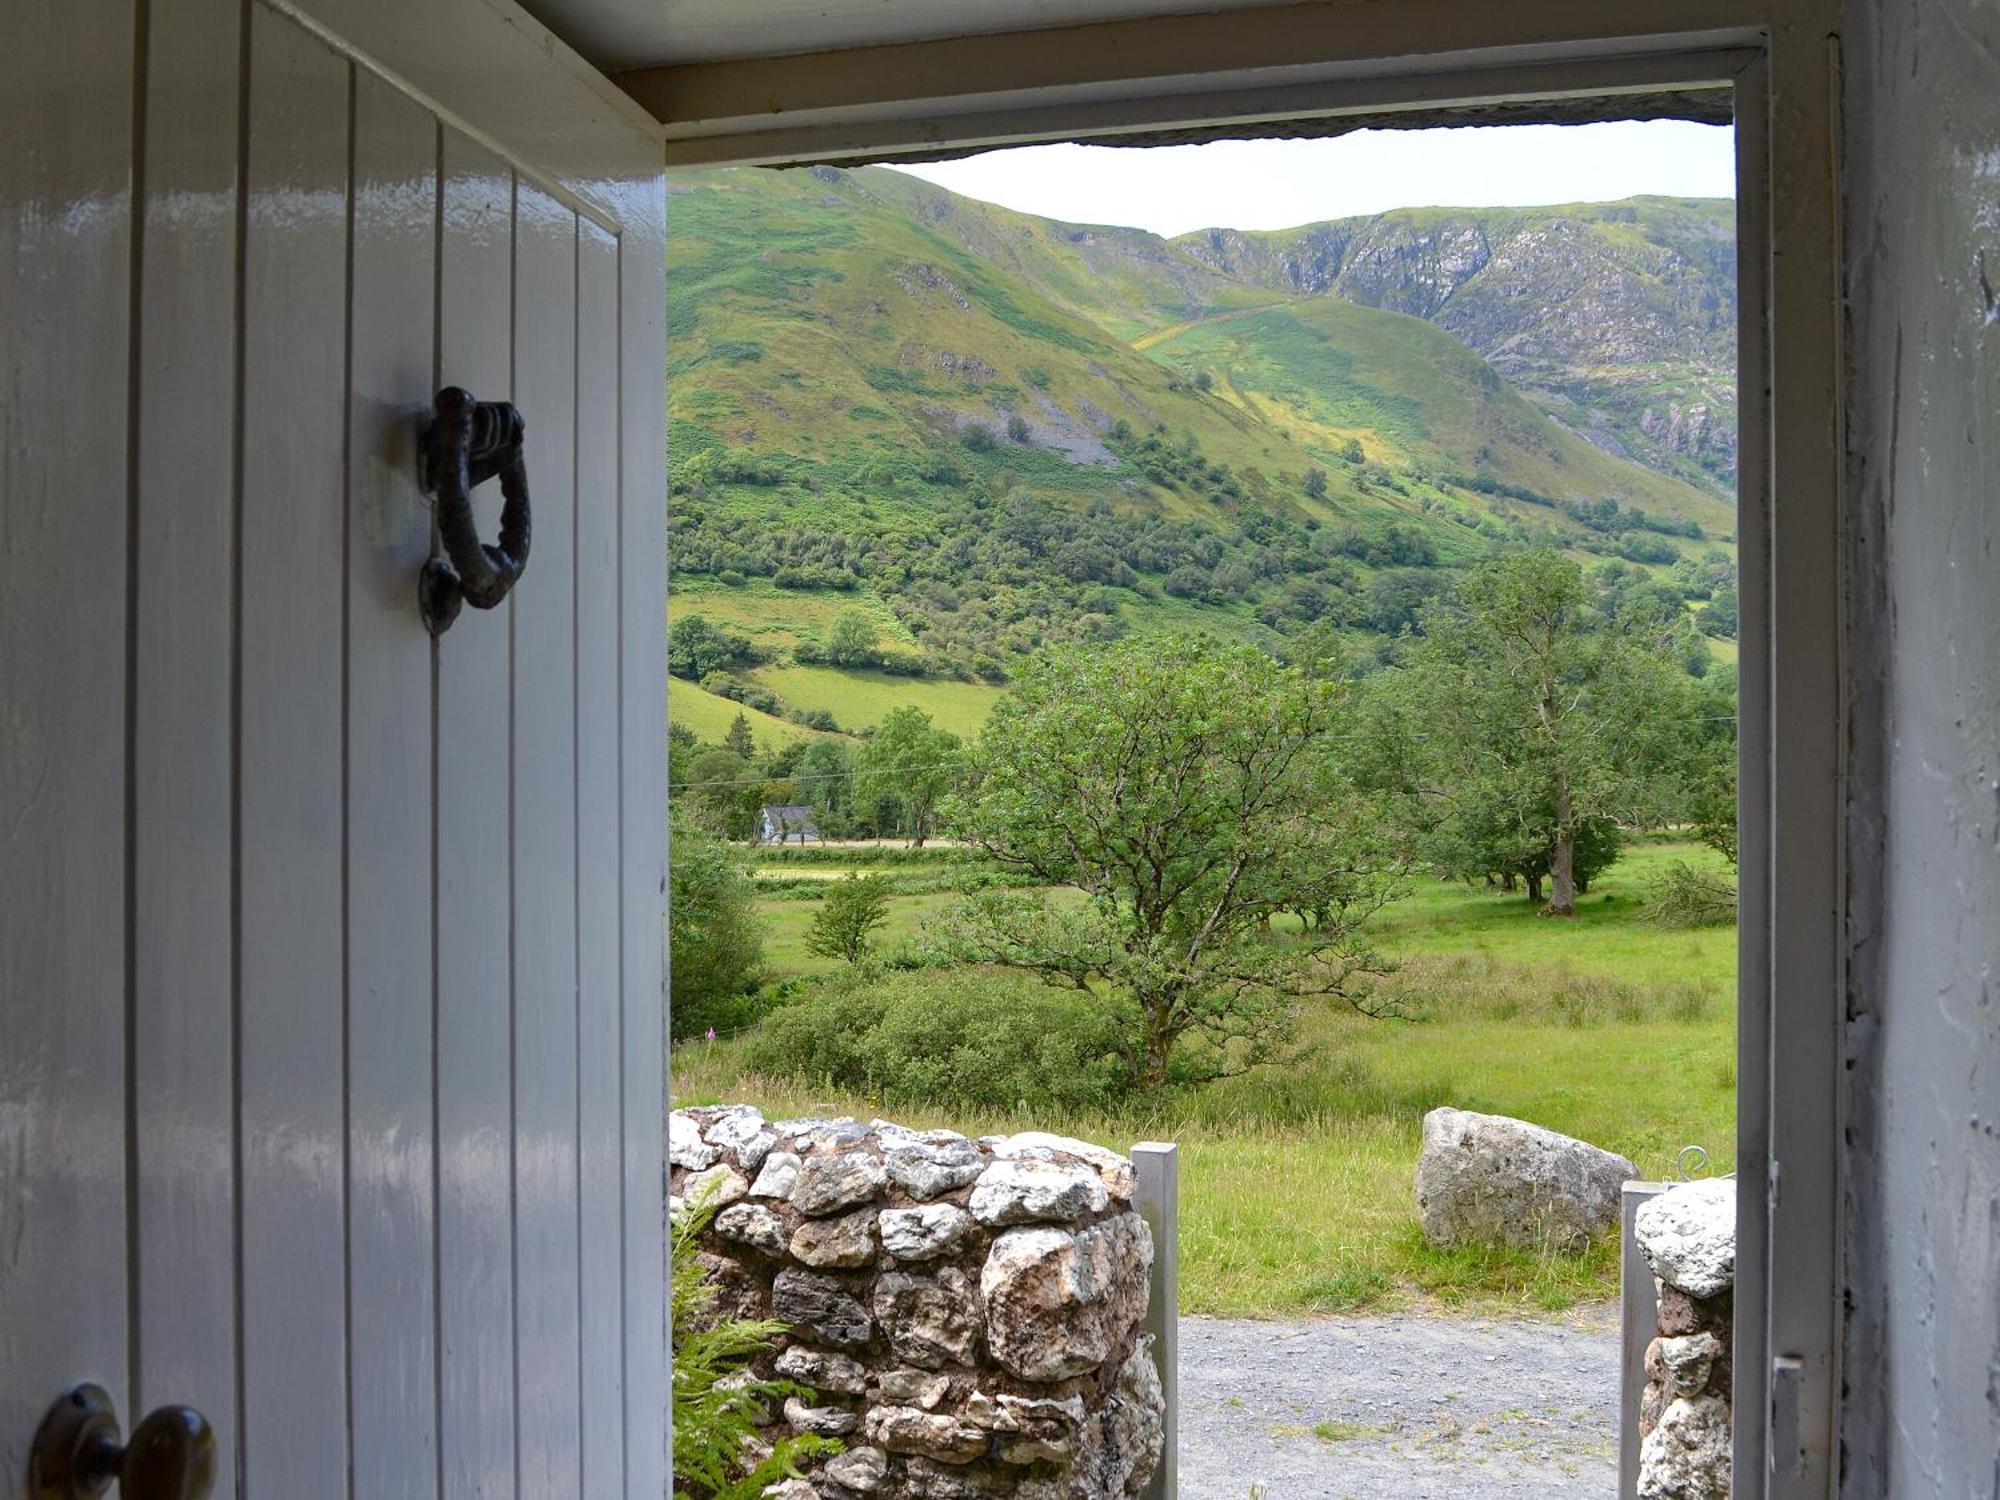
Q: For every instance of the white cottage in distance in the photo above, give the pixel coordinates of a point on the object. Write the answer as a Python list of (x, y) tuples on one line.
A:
[(787, 825)]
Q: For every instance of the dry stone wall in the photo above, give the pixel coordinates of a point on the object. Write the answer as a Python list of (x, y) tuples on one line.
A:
[(967, 1312), (1688, 1236)]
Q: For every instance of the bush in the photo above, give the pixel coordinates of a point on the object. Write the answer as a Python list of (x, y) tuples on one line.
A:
[(715, 1410), (1685, 897), (717, 946), (963, 1038)]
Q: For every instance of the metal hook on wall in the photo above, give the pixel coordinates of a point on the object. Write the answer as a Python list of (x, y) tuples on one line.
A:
[(467, 443)]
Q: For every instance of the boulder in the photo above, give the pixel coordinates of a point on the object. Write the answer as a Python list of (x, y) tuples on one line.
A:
[(824, 1372), (905, 1429), (827, 1184), (820, 1307), (842, 1243), (929, 1320), (1687, 1456), (1492, 1180), (1059, 1303), (685, 1147), (748, 1224), (861, 1470), (826, 1421), (1035, 1192), (779, 1176), (1121, 1443), (927, 1169), (924, 1233), (1688, 1236), (715, 1187)]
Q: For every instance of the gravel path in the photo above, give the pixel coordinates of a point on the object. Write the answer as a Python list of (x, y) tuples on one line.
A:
[(1405, 1407)]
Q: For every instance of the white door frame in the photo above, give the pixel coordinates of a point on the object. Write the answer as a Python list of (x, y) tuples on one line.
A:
[(1781, 66)]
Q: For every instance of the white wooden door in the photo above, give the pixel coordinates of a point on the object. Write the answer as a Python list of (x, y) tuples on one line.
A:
[(331, 1031)]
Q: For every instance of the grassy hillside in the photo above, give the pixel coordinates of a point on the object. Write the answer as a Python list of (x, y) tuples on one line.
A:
[(986, 432)]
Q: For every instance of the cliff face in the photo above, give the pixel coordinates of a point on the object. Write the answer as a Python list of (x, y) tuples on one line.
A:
[(1619, 318)]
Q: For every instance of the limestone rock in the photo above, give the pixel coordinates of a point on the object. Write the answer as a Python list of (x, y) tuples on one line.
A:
[(791, 1489), (922, 1388), (929, 1320), (826, 1373), (1492, 1180), (1686, 1364), (1032, 1429), (820, 1307), (717, 1187), (779, 1176), (1059, 1303), (1035, 1192), (1687, 1456), (924, 1233), (1688, 1236), (827, 1421), (862, 1470), (1039, 1144), (827, 1184), (842, 1243), (904, 1429), (1121, 1444), (749, 1224), (685, 1147), (927, 1169), (741, 1132)]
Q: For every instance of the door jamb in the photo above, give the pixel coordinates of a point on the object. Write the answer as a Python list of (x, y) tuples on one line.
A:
[(1792, 705)]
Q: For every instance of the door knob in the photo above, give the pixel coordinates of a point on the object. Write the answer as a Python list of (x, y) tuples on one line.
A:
[(79, 1450)]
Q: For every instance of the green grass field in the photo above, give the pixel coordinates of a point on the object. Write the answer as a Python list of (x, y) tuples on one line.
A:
[(1296, 1180), (709, 716), (859, 699)]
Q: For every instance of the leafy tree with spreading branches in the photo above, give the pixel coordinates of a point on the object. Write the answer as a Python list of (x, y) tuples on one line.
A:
[(1532, 720), (1188, 791), (845, 923)]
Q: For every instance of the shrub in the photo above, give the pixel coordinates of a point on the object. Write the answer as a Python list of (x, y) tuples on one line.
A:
[(963, 1038), (717, 946), (715, 1410), (1685, 897), (978, 437)]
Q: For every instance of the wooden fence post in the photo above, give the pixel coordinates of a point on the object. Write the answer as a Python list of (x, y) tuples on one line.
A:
[(1638, 1321), (1156, 1169)]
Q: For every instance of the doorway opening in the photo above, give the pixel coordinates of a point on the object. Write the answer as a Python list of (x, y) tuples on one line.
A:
[(1773, 919), (800, 638)]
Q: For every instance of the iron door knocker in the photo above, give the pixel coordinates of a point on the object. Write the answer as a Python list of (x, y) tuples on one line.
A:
[(467, 443)]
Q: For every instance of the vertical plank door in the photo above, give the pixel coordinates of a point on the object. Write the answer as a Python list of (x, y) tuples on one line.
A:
[(290, 814), (332, 1079), (65, 339)]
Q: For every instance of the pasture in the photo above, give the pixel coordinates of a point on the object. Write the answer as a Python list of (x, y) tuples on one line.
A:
[(1296, 1178)]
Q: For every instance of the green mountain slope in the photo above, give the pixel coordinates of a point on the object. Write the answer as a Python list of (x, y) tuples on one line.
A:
[(987, 432)]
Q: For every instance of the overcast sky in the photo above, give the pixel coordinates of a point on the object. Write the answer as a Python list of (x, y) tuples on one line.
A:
[(1278, 184)]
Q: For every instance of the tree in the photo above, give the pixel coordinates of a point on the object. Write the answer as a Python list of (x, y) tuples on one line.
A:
[(852, 909), (911, 763), (1533, 719), (716, 946), (853, 640), (1190, 790), (739, 739), (696, 647), (1314, 483), (1353, 452), (1018, 430)]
